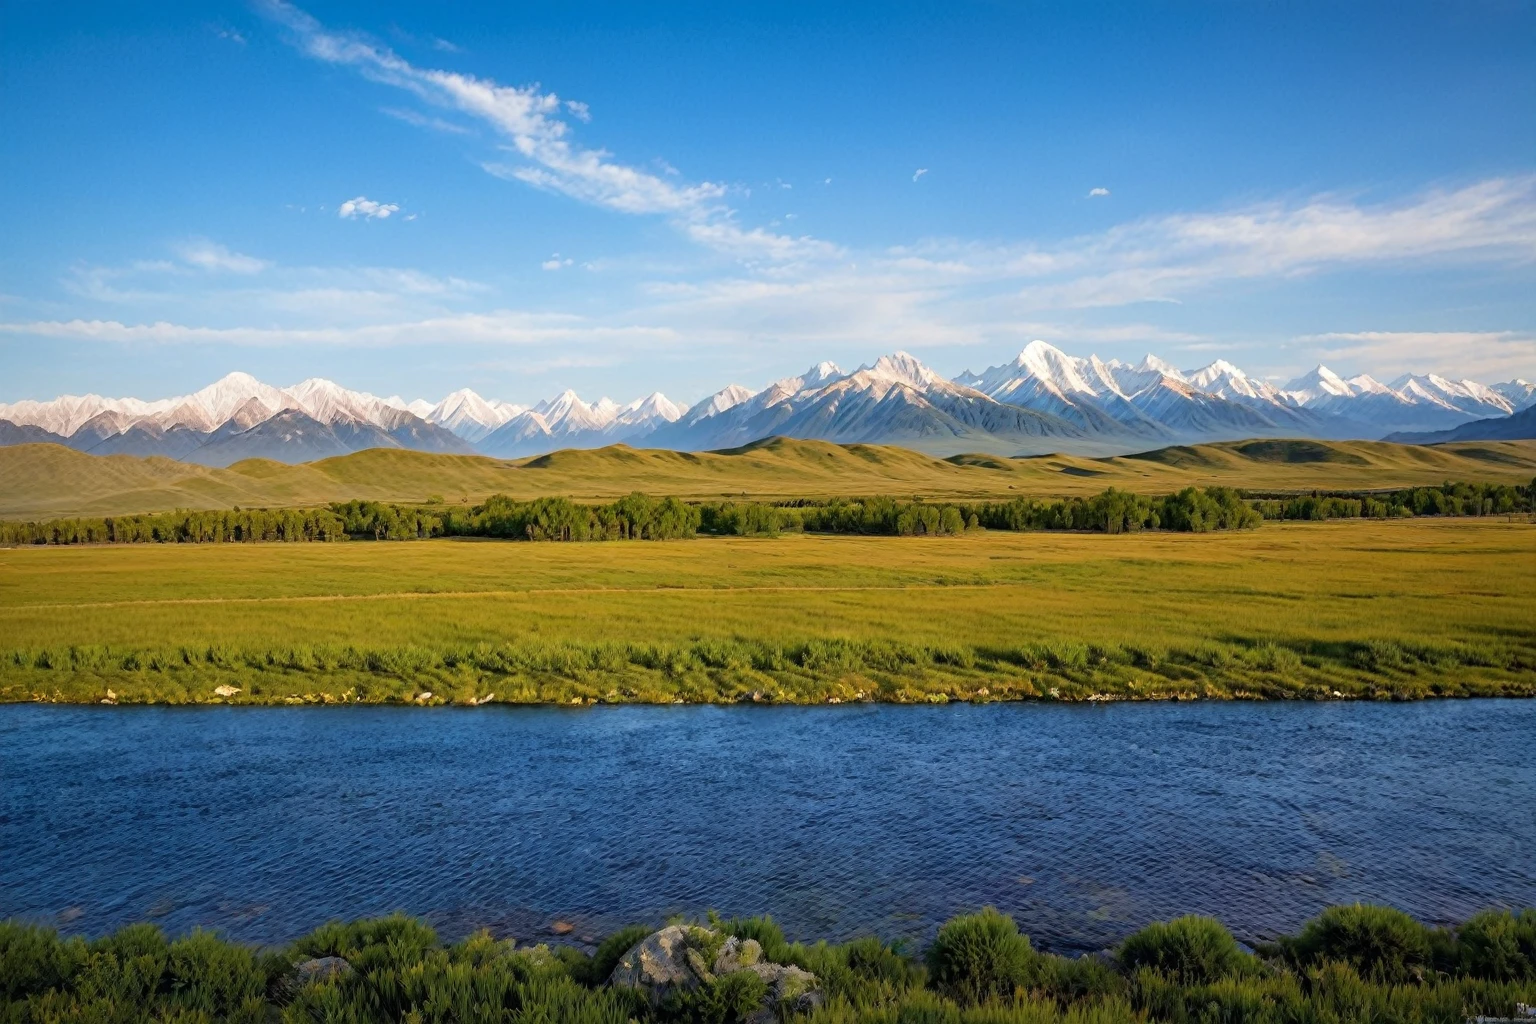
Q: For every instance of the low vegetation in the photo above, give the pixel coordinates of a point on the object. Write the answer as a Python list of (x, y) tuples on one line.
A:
[(1395, 609), (978, 970), (812, 671)]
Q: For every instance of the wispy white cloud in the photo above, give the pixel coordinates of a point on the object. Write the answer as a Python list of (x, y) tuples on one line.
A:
[(917, 174), (212, 256), (1094, 193), (556, 263), (540, 149), (366, 208), (1487, 354), (420, 120), (1163, 259), (495, 328)]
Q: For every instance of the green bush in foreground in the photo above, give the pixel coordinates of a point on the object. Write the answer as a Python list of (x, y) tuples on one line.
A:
[(981, 971), (1189, 950), (979, 957), (1498, 945), (1382, 944)]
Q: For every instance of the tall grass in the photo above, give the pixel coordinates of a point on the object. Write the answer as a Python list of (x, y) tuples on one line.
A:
[(724, 670)]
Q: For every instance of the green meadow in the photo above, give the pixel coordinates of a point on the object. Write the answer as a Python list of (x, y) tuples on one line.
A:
[(1317, 610)]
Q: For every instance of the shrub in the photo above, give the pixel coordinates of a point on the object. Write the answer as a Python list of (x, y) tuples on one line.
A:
[(978, 956), (1191, 950), (34, 960), (872, 960), (1382, 944), (1071, 980), (1496, 945), (766, 933), (725, 1000)]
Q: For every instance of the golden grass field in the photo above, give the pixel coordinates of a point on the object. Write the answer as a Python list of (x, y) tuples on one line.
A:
[(48, 481), (1449, 601)]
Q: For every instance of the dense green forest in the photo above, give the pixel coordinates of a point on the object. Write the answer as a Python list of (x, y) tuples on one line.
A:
[(642, 517), (1350, 965)]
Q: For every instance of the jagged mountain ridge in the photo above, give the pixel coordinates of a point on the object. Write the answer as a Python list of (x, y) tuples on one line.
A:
[(1042, 400)]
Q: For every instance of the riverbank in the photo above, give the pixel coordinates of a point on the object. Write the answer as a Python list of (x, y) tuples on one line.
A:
[(813, 671), (1349, 964)]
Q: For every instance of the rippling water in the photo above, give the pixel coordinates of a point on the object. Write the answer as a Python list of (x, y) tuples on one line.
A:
[(1083, 822)]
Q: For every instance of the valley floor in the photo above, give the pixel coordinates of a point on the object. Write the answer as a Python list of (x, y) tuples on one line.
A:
[(1377, 609)]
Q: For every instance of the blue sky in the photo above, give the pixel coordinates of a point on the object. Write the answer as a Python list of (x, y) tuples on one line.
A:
[(625, 197)]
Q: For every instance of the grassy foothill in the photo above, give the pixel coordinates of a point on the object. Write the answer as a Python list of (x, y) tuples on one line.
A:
[(1350, 965), (1395, 609), (44, 481)]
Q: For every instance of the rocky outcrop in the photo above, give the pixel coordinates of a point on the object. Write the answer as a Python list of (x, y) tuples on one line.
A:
[(680, 958)]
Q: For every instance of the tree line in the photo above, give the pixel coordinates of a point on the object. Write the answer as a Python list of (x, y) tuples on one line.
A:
[(1448, 499), (642, 517)]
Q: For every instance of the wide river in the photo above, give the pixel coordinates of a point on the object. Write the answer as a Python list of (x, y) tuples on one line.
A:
[(1082, 822)]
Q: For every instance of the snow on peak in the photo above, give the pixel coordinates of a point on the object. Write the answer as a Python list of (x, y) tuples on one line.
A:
[(655, 404), (568, 412), (1320, 381), (1210, 374), (466, 414), (1152, 364), (653, 408), (1519, 393), (903, 368), (726, 398), (1050, 364), (218, 401), (1365, 384), (329, 402)]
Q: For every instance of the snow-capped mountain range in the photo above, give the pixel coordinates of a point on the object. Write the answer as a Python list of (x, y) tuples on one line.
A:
[(1042, 400)]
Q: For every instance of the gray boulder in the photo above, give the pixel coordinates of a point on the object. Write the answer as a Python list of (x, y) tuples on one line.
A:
[(659, 963), (675, 958)]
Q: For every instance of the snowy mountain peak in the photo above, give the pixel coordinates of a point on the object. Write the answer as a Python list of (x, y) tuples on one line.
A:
[(568, 412), (726, 398), (1152, 364), (1320, 381), (1519, 393), (903, 368), (466, 414), (1210, 374), (1049, 364), (1099, 402), (218, 401), (655, 404), (654, 409), (1365, 384)]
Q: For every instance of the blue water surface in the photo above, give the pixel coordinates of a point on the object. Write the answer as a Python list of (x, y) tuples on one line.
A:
[(1082, 822)]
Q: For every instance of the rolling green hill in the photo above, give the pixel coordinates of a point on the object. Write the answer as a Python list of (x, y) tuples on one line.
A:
[(44, 480)]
